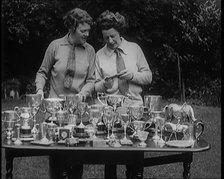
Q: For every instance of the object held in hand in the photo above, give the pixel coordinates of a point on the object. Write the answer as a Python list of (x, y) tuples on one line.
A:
[(112, 76)]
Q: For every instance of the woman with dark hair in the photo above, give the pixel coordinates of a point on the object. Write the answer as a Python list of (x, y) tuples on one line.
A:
[(120, 57), (69, 64), (121, 68)]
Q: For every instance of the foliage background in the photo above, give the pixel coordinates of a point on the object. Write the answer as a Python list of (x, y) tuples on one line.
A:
[(170, 32)]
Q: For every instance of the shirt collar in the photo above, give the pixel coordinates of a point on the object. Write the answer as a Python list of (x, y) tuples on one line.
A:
[(66, 42), (122, 46)]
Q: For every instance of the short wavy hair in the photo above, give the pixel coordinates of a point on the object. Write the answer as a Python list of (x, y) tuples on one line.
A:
[(75, 16), (108, 20)]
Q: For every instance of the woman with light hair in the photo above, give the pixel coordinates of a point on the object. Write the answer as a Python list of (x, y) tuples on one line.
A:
[(69, 64)]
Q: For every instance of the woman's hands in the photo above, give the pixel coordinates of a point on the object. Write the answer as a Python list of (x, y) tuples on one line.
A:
[(41, 92), (126, 75), (108, 82)]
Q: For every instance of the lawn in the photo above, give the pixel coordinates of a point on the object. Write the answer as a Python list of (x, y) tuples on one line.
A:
[(205, 164)]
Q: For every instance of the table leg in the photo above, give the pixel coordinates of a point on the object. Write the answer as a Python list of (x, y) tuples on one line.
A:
[(139, 172), (188, 158), (135, 171), (110, 171), (9, 164)]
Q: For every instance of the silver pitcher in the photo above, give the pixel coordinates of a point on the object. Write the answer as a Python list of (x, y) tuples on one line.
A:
[(193, 133)]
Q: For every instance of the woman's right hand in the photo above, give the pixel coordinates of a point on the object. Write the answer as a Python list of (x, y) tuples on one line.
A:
[(108, 83), (41, 92)]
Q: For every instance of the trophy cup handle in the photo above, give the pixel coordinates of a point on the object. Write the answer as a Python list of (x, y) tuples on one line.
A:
[(101, 95), (16, 109), (148, 122), (200, 123)]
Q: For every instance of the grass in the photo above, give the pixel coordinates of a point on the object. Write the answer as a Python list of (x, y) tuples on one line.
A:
[(205, 164)]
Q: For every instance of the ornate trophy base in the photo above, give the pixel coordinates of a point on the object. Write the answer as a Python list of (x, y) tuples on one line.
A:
[(25, 133)]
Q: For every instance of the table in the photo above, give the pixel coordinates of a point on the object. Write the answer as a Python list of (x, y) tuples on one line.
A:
[(109, 155)]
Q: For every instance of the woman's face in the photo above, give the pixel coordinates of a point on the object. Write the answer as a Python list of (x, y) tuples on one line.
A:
[(81, 33), (112, 38)]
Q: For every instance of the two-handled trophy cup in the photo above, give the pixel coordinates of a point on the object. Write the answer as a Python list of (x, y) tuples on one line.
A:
[(34, 101), (52, 105), (111, 100), (71, 103), (137, 125), (25, 115)]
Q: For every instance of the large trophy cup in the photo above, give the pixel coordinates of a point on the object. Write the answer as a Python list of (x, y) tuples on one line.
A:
[(71, 103), (34, 101), (111, 100), (136, 114), (25, 115), (9, 118), (52, 105)]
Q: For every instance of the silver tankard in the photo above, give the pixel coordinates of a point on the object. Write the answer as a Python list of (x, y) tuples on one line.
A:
[(9, 118)]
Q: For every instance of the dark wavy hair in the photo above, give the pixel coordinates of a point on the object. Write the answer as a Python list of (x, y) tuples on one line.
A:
[(75, 16), (107, 20)]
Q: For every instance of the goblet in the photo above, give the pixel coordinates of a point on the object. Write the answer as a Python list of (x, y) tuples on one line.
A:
[(18, 141), (161, 123), (34, 101), (94, 117), (52, 105), (143, 135), (156, 118), (107, 118), (114, 118), (9, 118), (125, 121), (82, 107)]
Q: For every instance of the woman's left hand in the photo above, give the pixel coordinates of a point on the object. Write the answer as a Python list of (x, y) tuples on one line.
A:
[(82, 97)]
